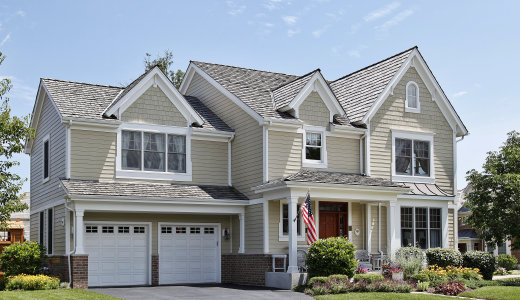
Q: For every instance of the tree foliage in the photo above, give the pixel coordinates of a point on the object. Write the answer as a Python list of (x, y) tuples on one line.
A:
[(14, 131), (495, 197), (164, 63)]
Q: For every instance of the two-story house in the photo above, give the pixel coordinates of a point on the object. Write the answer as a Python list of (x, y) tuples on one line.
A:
[(147, 184)]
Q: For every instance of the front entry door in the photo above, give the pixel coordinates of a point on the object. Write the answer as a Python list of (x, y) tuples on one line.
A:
[(333, 219)]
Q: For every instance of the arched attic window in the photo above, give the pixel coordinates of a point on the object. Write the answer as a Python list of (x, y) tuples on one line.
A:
[(412, 103)]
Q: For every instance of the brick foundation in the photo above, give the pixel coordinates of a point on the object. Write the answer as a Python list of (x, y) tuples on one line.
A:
[(155, 270), (58, 267), (246, 269), (79, 264)]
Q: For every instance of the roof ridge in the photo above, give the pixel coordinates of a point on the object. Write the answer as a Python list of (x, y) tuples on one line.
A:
[(376, 63), (86, 83), (291, 81), (236, 67)]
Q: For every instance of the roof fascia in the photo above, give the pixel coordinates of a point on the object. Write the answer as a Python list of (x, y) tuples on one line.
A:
[(166, 86), (415, 60), (227, 93), (198, 201), (185, 84), (332, 186)]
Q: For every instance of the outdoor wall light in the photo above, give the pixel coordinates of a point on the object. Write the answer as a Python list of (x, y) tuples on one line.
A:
[(226, 234)]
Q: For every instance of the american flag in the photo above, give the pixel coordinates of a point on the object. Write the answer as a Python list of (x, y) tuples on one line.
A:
[(308, 218)]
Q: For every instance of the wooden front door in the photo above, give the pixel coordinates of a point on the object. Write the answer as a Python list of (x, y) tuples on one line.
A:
[(333, 219)]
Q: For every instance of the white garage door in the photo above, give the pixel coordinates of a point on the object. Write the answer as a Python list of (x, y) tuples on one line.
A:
[(189, 254), (118, 254)]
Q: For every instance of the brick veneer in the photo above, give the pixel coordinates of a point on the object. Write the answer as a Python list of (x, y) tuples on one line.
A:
[(58, 266), (79, 264), (246, 269), (155, 269)]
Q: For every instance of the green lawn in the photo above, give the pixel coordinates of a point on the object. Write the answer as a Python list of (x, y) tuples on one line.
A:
[(380, 296), (495, 293), (514, 272), (71, 294)]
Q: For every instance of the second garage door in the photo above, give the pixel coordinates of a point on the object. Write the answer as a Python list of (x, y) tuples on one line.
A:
[(189, 254)]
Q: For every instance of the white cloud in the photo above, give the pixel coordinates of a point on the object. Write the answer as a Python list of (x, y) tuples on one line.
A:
[(268, 24), (7, 37), (291, 32), (234, 8), (354, 53), (459, 94), (381, 12), (273, 4), (290, 20), (395, 20), (21, 13), (318, 33), (20, 91)]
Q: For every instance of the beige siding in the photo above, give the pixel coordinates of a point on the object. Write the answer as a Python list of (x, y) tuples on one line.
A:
[(285, 153), (93, 154), (343, 154), (223, 220), (314, 112), (247, 145), (35, 227), (358, 223), (391, 115), (254, 236), (209, 162), (59, 230), (43, 194), (154, 107), (451, 229)]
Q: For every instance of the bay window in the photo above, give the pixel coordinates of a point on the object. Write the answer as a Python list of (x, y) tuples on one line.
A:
[(421, 227)]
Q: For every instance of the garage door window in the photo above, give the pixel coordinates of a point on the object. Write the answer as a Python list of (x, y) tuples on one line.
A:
[(209, 230), (107, 229), (180, 230), (91, 229), (166, 229), (139, 229), (123, 229), (194, 230)]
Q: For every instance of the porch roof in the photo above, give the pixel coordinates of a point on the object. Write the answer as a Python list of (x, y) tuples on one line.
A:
[(150, 190), (426, 189), (468, 234), (311, 176)]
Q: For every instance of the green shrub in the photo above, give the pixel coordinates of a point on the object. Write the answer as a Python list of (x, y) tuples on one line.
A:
[(32, 282), (507, 261), (420, 277), (331, 256), (411, 259), (476, 284), (509, 282), (368, 278), (481, 260), (423, 286), (337, 277), (25, 258), (444, 257), (319, 279)]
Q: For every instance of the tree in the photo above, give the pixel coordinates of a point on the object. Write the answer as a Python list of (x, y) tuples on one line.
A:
[(14, 131), (495, 197), (164, 63)]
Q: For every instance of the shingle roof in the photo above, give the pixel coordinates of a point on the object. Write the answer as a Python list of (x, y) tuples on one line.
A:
[(464, 209), (468, 234), (284, 94), (358, 91), (173, 191), (80, 100), (211, 120), (129, 87), (251, 86), (330, 178), (426, 189)]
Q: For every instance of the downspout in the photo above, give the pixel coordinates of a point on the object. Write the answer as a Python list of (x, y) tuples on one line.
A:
[(230, 182), (361, 155), (68, 238)]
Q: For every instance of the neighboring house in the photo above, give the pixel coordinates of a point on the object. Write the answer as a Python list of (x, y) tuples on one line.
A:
[(468, 239), (23, 219), (150, 185)]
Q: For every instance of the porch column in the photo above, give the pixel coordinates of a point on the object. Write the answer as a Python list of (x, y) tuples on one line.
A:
[(242, 232), (293, 245), (445, 227), (79, 232), (369, 227), (393, 220)]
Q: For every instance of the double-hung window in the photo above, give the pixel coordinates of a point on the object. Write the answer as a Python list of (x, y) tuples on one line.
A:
[(284, 224), (156, 152), (314, 152), (421, 227), (412, 157)]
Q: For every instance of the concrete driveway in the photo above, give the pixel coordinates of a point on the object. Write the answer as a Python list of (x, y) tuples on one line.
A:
[(205, 292)]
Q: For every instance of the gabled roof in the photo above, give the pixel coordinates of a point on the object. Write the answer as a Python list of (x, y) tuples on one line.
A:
[(211, 120), (127, 89), (358, 91), (285, 93)]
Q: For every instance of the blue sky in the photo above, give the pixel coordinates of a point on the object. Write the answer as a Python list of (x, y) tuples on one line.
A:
[(472, 47)]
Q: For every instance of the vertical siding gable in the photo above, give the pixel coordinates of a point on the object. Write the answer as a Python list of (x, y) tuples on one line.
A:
[(154, 107), (313, 111), (392, 115)]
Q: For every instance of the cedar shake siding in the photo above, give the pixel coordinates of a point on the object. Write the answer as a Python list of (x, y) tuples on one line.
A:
[(314, 112), (392, 115)]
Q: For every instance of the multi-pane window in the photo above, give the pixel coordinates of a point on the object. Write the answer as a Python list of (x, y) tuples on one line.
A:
[(107, 229), (50, 230), (209, 230), (412, 95), (166, 229), (139, 229), (91, 229), (46, 159), (412, 157), (42, 227), (194, 230), (180, 230), (421, 227), (123, 229), (285, 219), (313, 145), (156, 152)]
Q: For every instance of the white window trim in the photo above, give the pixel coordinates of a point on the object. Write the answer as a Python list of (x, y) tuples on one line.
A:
[(46, 139), (428, 223), (421, 136), (155, 175), (406, 107), (285, 238), (309, 163)]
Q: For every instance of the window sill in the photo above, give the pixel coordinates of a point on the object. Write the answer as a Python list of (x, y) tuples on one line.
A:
[(285, 238), (153, 175), (46, 179), (412, 110), (414, 179), (314, 164)]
